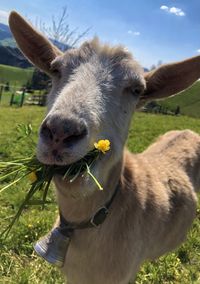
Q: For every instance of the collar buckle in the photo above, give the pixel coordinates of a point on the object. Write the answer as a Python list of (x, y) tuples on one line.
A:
[(99, 217)]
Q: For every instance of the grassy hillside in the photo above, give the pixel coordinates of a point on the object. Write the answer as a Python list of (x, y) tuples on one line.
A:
[(18, 262), (189, 101), (14, 75)]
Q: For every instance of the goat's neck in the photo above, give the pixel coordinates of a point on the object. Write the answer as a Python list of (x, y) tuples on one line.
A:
[(81, 208)]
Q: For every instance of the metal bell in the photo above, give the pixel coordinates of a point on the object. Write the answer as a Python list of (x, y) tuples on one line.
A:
[(53, 247)]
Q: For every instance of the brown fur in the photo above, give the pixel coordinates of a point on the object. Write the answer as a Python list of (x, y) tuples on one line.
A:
[(150, 215)]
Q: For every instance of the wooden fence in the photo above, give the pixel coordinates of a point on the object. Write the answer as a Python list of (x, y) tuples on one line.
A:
[(22, 96)]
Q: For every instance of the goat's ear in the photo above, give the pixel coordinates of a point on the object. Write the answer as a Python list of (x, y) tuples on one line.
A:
[(171, 79), (33, 44)]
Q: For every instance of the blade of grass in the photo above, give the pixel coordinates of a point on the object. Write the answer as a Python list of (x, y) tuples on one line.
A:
[(93, 177), (31, 192), (45, 192), (10, 184), (67, 173), (76, 175), (9, 174)]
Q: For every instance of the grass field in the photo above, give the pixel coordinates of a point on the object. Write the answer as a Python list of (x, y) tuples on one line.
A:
[(20, 265), (14, 75), (189, 101)]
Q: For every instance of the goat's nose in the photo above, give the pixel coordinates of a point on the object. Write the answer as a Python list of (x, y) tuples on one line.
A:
[(63, 131)]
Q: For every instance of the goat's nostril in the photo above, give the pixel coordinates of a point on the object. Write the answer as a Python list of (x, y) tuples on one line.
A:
[(55, 131), (70, 140), (46, 133)]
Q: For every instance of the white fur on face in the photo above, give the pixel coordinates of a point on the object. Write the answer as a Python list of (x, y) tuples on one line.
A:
[(96, 91)]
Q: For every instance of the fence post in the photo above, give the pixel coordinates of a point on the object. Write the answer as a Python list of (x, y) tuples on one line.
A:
[(1, 92), (12, 98), (22, 97)]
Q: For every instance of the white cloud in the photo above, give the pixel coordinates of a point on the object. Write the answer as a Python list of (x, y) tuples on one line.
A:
[(198, 50), (177, 11), (163, 7), (4, 17), (173, 10), (137, 33)]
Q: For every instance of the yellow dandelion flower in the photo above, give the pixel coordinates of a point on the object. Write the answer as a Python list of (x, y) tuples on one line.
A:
[(30, 226), (103, 145), (32, 177)]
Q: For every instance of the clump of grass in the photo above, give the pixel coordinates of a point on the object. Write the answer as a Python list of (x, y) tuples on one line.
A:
[(41, 175)]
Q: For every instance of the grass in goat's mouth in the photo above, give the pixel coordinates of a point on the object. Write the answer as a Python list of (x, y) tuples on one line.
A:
[(75, 169), (40, 175)]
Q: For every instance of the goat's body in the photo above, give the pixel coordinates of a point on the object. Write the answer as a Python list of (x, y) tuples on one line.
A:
[(150, 215), (95, 90)]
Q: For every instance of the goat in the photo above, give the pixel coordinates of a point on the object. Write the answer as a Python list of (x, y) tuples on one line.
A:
[(95, 90)]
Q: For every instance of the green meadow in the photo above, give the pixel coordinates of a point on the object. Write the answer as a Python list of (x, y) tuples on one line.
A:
[(20, 265), (14, 75)]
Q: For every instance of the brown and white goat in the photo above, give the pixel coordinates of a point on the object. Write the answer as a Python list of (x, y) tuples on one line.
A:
[(95, 90)]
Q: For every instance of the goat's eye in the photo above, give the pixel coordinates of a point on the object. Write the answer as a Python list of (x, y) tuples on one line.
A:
[(55, 69), (55, 72), (136, 91)]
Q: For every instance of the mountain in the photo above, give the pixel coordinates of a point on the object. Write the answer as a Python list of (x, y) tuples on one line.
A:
[(10, 54), (6, 38), (13, 57), (4, 31)]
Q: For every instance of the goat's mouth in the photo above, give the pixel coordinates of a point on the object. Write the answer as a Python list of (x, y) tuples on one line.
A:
[(77, 168)]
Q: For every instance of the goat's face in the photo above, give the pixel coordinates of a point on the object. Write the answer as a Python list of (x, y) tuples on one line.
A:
[(95, 90)]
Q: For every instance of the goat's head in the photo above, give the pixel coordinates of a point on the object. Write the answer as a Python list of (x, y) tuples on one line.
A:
[(95, 90)]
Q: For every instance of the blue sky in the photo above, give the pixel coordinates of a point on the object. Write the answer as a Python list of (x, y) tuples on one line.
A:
[(153, 30)]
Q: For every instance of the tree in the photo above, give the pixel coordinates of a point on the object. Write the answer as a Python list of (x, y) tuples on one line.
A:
[(60, 32), (39, 81)]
